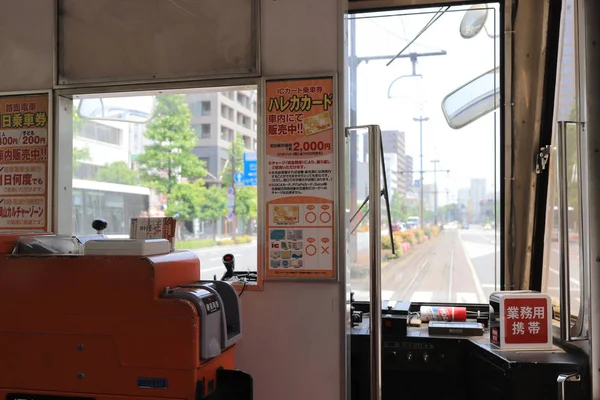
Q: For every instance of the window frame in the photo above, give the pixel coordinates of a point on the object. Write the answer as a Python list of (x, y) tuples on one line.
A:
[(62, 174)]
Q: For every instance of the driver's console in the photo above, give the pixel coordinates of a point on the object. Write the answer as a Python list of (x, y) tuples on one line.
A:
[(417, 364)]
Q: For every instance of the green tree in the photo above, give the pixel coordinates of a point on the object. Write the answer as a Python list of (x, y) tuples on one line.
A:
[(169, 157), (80, 155), (398, 207), (118, 172), (246, 206), (246, 198), (214, 206), (186, 200), (238, 148)]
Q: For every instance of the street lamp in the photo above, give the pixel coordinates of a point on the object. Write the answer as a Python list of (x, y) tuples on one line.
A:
[(420, 120)]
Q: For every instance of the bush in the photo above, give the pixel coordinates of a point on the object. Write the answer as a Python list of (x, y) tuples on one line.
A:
[(419, 235), (194, 244), (409, 237), (363, 228), (243, 239), (225, 242)]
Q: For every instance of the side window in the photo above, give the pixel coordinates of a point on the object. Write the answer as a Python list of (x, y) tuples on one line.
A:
[(124, 170), (566, 181)]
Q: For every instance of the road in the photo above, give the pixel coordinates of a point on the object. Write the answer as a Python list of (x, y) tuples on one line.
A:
[(456, 266), (211, 264)]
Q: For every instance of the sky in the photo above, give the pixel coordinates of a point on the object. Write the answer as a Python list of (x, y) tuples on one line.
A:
[(468, 152)]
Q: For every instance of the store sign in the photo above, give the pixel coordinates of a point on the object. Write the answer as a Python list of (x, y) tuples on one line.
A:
[(300, 172), (24, 172)]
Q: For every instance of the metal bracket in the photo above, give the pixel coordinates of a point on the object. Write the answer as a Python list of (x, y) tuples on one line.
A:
[(562, 378), (542, 159)]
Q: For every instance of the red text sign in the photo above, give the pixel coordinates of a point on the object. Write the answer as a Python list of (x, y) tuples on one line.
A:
[(526, 321)]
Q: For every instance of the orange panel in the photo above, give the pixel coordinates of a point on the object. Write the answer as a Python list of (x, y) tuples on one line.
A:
[(93, 325)]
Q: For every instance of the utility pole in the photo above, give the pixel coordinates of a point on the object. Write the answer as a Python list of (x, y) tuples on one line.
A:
[(420, 120), (435, 207)]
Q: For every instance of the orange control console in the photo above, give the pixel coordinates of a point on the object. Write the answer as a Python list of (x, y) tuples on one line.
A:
[(84, 327)]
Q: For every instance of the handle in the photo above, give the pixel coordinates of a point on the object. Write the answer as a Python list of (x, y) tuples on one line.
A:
[(564, 378), (567, 333), (374, 133), (375, 257), (563, 234)]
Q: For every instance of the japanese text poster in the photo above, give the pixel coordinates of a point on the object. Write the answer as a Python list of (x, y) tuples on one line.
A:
[(299, 172), (24, 163)]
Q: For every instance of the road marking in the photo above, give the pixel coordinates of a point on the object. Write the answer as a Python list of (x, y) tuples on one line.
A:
[(556, 288), (466, 297), (412, 282), (482, 298), (211, 269), (451, 273), (573, 280), (363, 295), (421, 297)]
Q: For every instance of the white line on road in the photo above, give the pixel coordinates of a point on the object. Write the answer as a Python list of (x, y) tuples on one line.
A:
[(451, 271), (363, 295), (557, 289), (488, 285), (421, 297), (466, 297), (473, 272), (412, 282), (573, 280)]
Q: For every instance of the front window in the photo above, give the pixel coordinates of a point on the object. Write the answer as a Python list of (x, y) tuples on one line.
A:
[(442, 173)]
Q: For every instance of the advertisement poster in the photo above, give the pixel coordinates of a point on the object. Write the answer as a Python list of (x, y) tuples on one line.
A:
[(24, 146), (300, 172)]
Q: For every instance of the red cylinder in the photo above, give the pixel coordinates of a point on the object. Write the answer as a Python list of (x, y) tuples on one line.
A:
[(458, 314)]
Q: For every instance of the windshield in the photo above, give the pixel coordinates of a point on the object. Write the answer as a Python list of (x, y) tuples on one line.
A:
[(446, 185)]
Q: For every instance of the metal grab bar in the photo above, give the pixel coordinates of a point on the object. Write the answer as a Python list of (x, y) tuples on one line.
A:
[(567, 333), (564, 378), (375, 257), (374, 133), (563, 235)]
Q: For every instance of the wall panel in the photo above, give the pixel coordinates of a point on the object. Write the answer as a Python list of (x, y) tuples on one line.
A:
[(146, 40), (26, 45)]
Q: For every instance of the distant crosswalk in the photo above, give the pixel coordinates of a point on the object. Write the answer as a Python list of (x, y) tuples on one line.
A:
[(422, 296)]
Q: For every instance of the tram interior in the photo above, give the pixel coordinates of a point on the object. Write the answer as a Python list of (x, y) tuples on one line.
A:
[(446, 107)]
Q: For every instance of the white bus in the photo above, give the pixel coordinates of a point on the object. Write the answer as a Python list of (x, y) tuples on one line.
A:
[(115, 203)]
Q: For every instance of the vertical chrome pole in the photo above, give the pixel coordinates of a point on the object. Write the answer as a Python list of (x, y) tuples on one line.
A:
[(563, 233), (375, 257)]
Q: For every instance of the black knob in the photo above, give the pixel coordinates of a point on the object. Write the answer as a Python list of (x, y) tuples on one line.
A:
[(99, 225), (229, 263)]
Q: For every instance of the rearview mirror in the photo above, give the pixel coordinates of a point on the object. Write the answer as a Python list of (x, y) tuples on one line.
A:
[(135, 109), (472, 100), (473, 21)]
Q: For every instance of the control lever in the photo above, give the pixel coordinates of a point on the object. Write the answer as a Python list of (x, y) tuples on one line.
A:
[(99, 225), (229, 263)]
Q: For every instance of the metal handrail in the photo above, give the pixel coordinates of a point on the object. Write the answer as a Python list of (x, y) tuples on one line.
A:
[(375, 156), (567, 332), (375, 257), (563, 235)]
